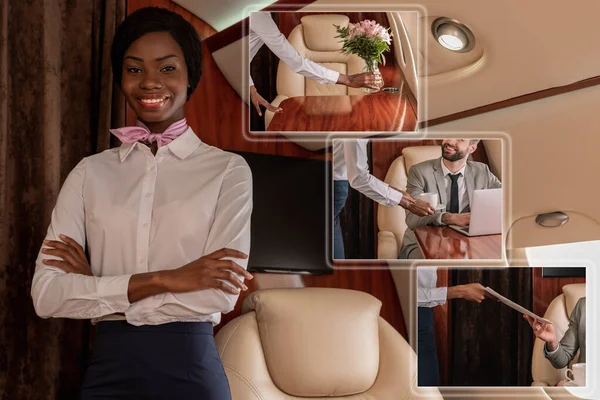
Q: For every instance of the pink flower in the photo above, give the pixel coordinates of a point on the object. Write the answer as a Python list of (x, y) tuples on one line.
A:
[(369, 29)]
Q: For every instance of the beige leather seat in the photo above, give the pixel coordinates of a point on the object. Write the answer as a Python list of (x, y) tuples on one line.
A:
[(315, 39), (391, 220), (316, 343), (544, 374)]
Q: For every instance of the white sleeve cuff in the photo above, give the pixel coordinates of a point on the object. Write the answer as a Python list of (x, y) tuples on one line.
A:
[(332, 76), (394, 196), (112, 292), (550, 352), (432, 297), (439, 294), (439, 218)]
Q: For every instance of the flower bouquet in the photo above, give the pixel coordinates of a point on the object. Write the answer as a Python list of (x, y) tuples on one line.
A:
[(368, 40)]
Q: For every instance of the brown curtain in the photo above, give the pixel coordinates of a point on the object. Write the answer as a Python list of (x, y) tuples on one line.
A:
[(491, 343), (55, 108)]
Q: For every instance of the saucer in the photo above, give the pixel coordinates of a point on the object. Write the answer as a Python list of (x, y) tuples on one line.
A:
[(440, 207)]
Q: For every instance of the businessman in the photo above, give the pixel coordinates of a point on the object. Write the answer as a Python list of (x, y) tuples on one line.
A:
[(560, 354), (428, 297), (453, 179), (263, 30)]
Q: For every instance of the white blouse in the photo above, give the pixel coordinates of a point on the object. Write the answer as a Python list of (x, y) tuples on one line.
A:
[(138, 213), (428, 294)]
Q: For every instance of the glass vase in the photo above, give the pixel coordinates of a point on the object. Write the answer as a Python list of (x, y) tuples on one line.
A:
[(373, 67)]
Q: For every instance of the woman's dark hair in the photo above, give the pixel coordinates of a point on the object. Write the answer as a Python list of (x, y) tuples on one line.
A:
[(156, 19)]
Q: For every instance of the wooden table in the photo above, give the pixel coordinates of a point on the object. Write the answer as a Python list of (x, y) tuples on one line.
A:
[(442, 243), (378, 112)]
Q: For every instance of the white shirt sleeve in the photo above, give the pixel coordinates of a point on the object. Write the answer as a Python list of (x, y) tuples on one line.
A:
[(359, 177), (59, 294), (230, 229), (428, 294), (264, 27), (431, 297)]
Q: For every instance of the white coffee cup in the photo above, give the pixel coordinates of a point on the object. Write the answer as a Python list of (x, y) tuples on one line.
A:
[(431, 198), (578, 372)]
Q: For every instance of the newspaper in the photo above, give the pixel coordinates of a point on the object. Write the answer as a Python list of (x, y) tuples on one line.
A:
[(515, 306)]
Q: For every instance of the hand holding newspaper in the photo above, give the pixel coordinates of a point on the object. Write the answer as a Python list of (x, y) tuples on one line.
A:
[(515, 306)]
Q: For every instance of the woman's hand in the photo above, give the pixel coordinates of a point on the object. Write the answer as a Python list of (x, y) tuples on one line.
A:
[(258, 101), (362, 80), (209, 271), (74, 260), (543, 331), (418, 207)]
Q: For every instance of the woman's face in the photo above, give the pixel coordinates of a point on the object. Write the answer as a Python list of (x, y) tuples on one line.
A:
[(155, 80)]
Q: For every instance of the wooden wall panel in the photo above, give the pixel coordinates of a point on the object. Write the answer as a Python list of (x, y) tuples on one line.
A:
[(546, 289), (215, 112)]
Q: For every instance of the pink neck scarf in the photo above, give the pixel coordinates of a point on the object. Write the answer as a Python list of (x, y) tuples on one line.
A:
[(141, 133)]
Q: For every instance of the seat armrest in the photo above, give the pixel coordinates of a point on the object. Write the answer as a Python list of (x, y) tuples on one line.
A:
[(387, 246), (270, 114)]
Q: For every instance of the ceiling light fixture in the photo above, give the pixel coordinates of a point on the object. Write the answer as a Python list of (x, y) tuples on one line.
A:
[(453, 35)]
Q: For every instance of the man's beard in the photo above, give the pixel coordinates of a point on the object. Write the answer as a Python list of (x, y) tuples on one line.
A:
[(458, 155)]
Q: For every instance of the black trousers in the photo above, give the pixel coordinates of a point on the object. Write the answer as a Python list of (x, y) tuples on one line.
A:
[(428, 372), (171, 361)]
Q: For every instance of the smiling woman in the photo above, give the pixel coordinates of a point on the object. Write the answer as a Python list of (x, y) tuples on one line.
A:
[(145, 210), (156, 87)]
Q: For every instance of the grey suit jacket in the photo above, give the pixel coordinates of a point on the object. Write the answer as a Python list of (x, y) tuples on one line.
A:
[(573, 340), (428, 177)]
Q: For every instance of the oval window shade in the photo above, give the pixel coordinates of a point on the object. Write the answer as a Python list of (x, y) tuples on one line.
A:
[(525, 237)]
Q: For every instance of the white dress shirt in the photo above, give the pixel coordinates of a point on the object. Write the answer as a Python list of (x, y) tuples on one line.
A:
[(139, 213), (428, 294), (350, 162), (463, 197), (263, 30)]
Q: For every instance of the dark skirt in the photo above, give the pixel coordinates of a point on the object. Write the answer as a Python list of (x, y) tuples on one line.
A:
[(171, 361)]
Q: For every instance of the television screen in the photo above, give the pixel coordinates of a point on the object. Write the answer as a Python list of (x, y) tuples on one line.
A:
[(289, 218), (563, 272)]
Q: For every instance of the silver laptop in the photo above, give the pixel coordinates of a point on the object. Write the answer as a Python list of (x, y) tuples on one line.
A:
[(486, 214)]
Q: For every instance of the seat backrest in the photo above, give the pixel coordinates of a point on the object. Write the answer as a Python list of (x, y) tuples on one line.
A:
[(316, 343), (392, 219), (315, 39), (558, 312)]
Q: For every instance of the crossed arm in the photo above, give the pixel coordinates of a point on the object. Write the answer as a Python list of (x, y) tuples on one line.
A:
[(64, 286)]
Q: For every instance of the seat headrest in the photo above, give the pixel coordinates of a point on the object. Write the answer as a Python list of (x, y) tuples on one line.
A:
[(319, 32), (573, 292), (416, 154), (318, 342)]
